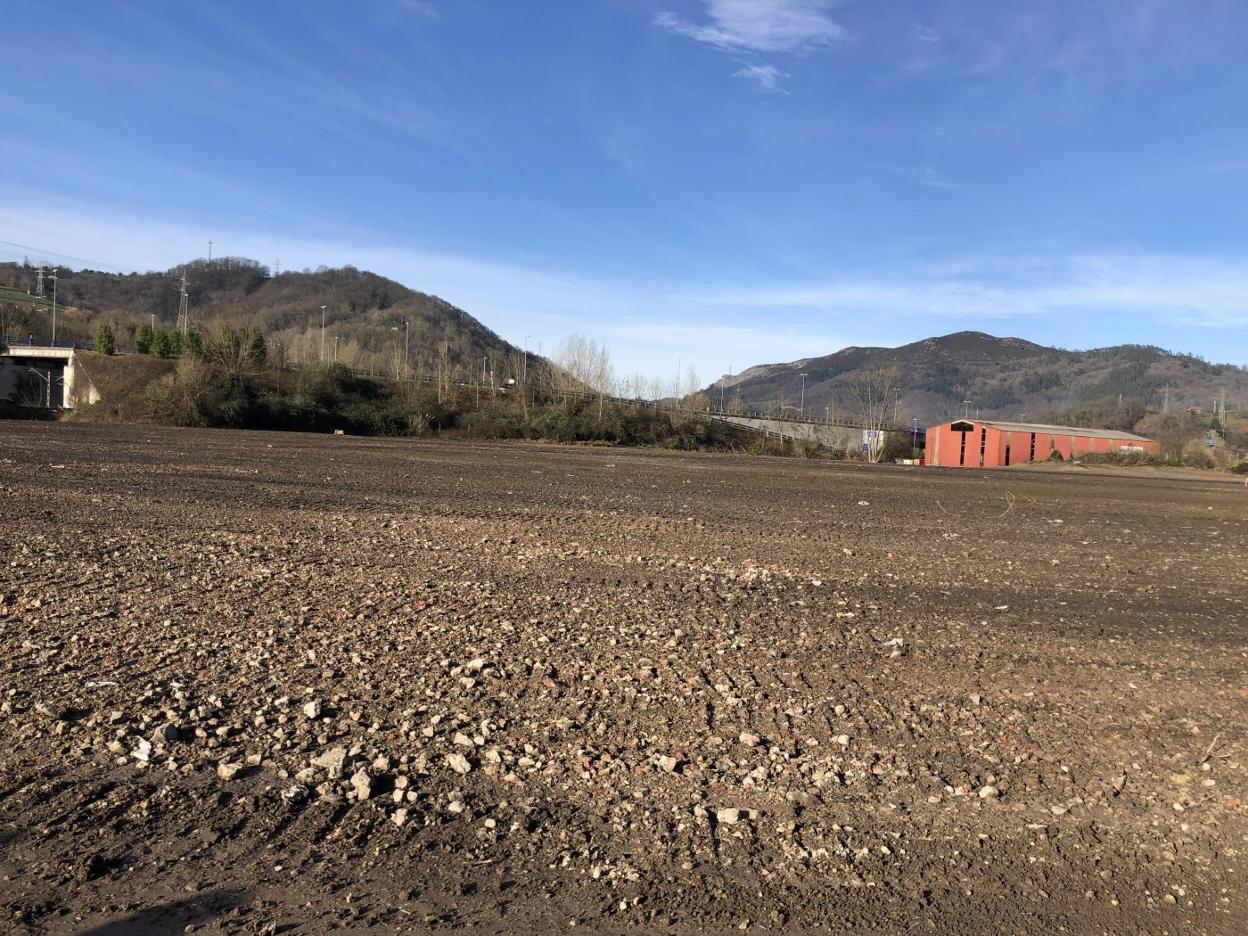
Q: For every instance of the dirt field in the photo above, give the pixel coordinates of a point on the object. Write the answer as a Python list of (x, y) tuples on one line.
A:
[(291, 684)]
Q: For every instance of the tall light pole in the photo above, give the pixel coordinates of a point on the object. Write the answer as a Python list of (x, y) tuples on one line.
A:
[(407, 340), (524, 371), (966, 408), (55, 271), (335, 349), (322, 334), (801, 410), (914, 436), (896, 403)]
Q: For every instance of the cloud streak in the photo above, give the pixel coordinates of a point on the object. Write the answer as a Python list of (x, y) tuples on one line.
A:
[(746, 28), (766, 77), (1169, 288), (647, 322), (760, 25)]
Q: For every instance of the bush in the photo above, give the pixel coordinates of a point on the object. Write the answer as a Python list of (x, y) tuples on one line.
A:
[(897, 445), (190, 396), (104, 341), (162, 344), (192, 343), (143, 339), (1197, 455)]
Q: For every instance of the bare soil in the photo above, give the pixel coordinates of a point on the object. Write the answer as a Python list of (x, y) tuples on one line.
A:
[(280, 683)]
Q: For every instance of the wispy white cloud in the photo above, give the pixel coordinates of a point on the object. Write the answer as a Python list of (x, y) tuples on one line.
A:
[(766, 77), (647, 323), (760, 25), (425, 8), (747, 28), (924, 33), (930, 178), (1171, 289)]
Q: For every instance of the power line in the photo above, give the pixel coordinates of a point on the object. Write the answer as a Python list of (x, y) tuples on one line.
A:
[(95, 264)]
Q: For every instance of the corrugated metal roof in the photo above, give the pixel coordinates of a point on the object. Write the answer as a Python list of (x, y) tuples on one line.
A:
[(1056, 430)]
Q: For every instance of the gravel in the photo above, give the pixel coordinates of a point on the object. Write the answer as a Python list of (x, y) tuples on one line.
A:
[(447, 685)]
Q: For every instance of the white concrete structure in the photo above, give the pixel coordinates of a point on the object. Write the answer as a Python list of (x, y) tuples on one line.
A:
[(51, 377)]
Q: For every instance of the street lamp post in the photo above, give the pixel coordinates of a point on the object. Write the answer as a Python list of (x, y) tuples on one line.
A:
[(914, 437), (524, 370), (966, 408), (55, 271), (801, 410), (407, 336), (896, 403), (322, 334)]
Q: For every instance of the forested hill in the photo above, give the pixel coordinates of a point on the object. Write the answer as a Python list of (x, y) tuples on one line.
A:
[(364, 312), (1002, 377)]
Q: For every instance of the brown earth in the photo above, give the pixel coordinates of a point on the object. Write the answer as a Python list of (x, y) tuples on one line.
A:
[(280, 683)]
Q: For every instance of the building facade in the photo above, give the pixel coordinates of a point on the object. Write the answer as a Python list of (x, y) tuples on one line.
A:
[(989, 443)]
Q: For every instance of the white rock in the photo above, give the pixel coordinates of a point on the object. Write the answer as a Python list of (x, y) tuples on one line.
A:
[(362, 783), (313, 709), (458, 763), (331, 760)]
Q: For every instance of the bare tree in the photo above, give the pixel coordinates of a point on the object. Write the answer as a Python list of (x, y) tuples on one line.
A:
[(874, 391)]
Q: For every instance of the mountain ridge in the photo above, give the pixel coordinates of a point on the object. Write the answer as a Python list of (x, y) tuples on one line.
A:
[(1005, 377), (375, 320)]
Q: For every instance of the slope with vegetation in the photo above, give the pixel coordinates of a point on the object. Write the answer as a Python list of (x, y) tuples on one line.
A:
[(226, 381), (1002, 377), (371, 323)]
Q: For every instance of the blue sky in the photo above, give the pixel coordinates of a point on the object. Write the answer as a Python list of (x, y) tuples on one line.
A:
[(731, 182)]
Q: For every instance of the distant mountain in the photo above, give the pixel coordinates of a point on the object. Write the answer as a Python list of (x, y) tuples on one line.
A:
[(363, 311), (1002, 377)]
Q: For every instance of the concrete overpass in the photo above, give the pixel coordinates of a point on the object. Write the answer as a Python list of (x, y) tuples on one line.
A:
[(44, 377), (838, 435)]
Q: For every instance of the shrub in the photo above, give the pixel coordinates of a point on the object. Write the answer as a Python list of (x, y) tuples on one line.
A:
[(104, 342), (1197, 455), (162, 345), (143, 339), (189, 396)]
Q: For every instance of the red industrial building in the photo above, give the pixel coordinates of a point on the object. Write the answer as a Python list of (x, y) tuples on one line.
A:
[(988, 443)]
